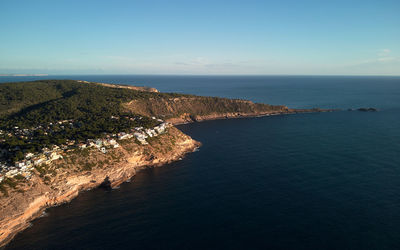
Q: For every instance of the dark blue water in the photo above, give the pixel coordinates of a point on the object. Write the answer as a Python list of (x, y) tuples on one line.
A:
[(307, 181)]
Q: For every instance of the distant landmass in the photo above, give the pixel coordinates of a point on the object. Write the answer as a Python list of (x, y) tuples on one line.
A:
[(23, 74), (59, 137)]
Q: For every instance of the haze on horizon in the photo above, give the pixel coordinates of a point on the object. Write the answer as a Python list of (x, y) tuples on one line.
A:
[(359, 37)]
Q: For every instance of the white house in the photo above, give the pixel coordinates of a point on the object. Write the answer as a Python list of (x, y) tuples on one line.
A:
[(141, 137), (54, 156), (29, 155), (151, 132), (19, 164), (99, 143), (123, 136), (12, 172), (161, 128), (38, 161)]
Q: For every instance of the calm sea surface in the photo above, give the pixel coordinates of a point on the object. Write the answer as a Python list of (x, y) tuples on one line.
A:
[(307, 181)]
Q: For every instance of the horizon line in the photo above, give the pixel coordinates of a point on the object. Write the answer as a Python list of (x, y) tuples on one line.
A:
[(135, 74)]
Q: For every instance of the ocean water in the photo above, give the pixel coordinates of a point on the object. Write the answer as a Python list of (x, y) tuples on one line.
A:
[(305, 181)]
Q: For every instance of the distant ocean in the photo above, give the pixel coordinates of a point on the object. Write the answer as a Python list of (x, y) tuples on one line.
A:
[(306, 181)]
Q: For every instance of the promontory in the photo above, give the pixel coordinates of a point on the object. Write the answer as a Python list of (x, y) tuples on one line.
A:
[(60, 137)]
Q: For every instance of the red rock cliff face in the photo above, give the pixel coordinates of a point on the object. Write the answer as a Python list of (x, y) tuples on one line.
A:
[(19, 208)]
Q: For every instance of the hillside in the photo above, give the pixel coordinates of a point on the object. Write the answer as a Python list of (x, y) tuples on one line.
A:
[(29, 103), (40, 114), (59, 137), (194, 108)]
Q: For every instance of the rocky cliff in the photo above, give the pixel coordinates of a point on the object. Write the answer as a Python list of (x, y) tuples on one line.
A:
[(32, 197), (56, 100)]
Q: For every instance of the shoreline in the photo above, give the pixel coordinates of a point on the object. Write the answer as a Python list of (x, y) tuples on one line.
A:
[(66, 190), (187, 120), (44, 201)]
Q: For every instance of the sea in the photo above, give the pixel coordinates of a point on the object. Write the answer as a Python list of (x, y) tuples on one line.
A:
[(303, 181)]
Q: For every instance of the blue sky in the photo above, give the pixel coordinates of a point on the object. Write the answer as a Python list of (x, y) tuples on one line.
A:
[(358, 37)]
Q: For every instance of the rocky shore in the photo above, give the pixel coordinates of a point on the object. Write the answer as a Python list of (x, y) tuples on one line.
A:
[(87, 169), (188, 118), (31, 199)]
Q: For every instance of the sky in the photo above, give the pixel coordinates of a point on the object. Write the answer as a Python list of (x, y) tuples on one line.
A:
[(281, 37)]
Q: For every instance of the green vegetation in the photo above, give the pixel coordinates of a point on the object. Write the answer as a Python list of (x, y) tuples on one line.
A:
[(43, 113), (42, 169), (46, 180), (63, 99), (38, 106), (3, 189), (27, 104), (167, 107), (10, 182)]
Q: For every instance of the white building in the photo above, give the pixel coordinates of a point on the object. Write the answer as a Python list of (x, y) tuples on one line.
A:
[(99, 143), (161, 128), (11, 173), (29, 155), (38, 161), (151, 132), (54, 156), (141, 137), (19, 164), (123, 136)]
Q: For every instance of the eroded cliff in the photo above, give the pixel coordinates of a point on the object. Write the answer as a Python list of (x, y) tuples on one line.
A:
[(73, 175), (92, 110)]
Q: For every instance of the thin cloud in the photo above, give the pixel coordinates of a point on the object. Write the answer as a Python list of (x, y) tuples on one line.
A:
[(384, 52), (384, 55)]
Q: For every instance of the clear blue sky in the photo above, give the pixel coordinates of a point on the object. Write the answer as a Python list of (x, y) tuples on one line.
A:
[(337, 37)]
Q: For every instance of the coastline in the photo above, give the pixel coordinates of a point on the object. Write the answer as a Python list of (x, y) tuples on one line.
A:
[(119, 173), (186, 118), (21, 209), (74, 173)]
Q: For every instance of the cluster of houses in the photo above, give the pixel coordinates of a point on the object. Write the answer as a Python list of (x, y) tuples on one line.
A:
[(100, 144), (142, 134), (47, 129), (24, 167), (46, 156)]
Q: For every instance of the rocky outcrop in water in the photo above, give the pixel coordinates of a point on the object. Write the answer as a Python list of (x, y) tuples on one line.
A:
[(367, 109)]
